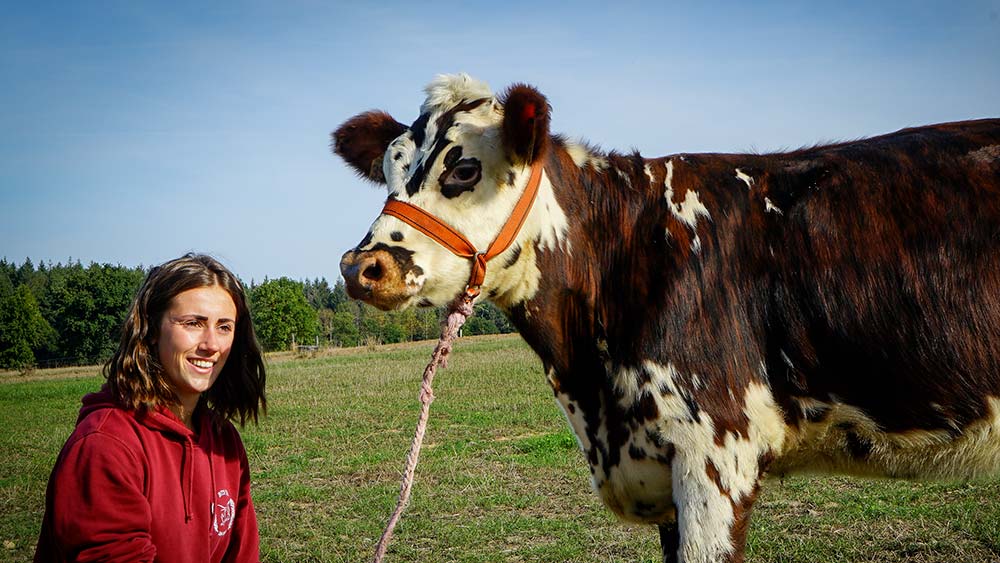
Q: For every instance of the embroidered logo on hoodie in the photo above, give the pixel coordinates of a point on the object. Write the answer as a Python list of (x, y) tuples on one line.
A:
[(225, 512)]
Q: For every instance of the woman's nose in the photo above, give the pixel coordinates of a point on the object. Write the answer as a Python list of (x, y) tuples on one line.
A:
[(210, 340)]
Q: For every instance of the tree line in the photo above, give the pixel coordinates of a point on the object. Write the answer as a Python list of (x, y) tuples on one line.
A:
[(71, 314)]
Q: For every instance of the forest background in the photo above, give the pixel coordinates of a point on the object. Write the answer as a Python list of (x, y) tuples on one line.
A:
[(69, 314)]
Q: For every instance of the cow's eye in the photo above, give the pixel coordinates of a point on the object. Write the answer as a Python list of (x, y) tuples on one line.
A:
[(465, 174)]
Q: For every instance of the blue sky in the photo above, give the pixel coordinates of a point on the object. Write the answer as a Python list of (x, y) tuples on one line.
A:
[(136, 131)]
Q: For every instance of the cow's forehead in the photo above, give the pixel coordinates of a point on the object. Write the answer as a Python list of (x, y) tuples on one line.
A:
[(451, 100), (455, 105), (447, 91)]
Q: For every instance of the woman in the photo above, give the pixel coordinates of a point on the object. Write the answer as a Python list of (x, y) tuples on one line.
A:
[(155, 470)]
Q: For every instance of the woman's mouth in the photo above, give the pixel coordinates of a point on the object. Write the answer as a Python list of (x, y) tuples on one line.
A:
[(202, 364)]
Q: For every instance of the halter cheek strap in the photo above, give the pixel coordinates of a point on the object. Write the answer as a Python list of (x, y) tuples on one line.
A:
[(448, 237)]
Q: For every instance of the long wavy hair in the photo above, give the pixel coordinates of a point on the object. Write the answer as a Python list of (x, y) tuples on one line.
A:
[(135, 376)]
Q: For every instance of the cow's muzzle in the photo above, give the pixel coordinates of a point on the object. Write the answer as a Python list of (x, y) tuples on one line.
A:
[(373, 276)]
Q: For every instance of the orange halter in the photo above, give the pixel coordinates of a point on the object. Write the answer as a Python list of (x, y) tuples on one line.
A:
[(446, 236)]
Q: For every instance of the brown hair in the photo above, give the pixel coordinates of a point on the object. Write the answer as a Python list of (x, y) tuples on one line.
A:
[(134, 375)]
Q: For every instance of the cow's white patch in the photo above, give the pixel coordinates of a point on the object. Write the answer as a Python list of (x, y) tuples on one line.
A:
[(583, 157), (824, 446), (546, 228), (575, 418), (516, 283), (625, 176), (705, 513), (690, 209), (414, 280), (448, 90), (769, 207), (986, 154), (686, 211), (745, 177)]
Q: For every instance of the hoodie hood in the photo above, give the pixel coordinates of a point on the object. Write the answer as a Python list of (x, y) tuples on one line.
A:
[(161, 419)]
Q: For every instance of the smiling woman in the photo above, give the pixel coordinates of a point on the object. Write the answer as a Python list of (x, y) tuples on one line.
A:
[(155, 470)]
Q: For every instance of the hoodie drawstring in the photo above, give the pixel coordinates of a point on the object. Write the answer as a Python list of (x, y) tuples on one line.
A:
[(188, 483), (211, 471)]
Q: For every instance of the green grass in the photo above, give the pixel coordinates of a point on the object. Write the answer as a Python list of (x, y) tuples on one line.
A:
[(500, 476)]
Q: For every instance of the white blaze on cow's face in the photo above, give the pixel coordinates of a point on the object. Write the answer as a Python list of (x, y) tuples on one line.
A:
[(461, 160)]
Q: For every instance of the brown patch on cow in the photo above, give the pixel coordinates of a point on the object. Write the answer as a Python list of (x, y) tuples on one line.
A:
[(713, 475), (742, 511)]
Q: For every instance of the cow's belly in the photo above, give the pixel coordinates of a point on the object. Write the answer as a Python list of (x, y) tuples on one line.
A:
[(847, 441)]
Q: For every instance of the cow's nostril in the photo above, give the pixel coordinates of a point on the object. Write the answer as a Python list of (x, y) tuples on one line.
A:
[(373, 272)]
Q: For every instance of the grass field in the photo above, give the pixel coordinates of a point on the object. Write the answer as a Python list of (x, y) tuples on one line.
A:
[(500, 477)]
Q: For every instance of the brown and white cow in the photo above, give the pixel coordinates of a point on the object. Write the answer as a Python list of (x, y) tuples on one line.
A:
[(706, 319)]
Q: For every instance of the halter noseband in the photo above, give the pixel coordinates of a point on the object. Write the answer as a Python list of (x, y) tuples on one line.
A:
[(448, 237)]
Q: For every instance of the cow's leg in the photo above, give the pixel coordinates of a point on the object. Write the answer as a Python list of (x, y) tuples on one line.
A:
[(713, 514), (669, 541)]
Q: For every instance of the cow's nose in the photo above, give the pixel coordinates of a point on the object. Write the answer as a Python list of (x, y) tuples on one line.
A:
[(367, 273)]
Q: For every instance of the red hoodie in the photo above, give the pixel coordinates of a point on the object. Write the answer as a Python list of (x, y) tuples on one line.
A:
[(140, 486)]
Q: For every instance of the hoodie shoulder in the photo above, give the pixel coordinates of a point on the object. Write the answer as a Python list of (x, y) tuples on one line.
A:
[(110, 420)]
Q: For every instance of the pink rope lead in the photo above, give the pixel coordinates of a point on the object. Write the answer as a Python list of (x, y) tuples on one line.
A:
[(458, 312)]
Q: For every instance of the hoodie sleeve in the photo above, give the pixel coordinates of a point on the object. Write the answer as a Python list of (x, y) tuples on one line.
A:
[(245, 545), (96, 502)]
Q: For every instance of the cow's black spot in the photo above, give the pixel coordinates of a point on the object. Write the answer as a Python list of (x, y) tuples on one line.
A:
[(692, 406), (419, 129), (402, 257), (444, 123), (454, 187), (396, 236), (364, 242), (643, 509), (636, 453), (858, 446), (817, 414), (515, 254)]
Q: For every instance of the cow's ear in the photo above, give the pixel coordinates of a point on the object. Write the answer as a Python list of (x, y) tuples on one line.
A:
[(525, 123), (362, 141)]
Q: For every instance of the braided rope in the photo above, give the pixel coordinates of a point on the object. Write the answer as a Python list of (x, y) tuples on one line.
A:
[(458, 312)]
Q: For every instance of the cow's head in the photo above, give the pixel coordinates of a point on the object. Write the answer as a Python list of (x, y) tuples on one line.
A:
[(466, 160)]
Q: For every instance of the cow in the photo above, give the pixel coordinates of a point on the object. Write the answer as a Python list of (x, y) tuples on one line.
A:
[(706, 320)]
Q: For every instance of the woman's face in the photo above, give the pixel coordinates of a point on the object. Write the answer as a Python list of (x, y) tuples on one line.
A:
[(196, 335)]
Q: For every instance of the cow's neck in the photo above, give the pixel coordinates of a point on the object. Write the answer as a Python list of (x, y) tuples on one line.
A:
[(595, 293)]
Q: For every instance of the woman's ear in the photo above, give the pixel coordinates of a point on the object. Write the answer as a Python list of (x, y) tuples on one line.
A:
[(362, 141), (525, 123)]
